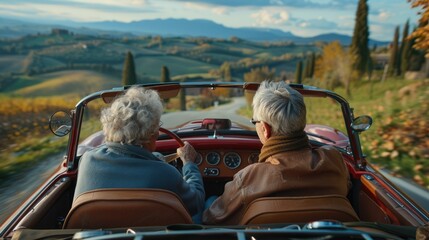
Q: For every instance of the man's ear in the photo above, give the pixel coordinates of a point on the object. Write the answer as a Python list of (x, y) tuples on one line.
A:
[(266, 129)]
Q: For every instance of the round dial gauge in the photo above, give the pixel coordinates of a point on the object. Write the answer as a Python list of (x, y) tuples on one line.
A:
[(232, 160), (199, 159), (213, 158), (253, 158)]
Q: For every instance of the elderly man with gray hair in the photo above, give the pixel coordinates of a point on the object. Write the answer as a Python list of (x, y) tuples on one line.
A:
[(125, 160), (287, 165)]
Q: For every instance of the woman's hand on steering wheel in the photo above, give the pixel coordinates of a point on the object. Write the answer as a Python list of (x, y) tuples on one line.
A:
[(187, 153), (171, 157)]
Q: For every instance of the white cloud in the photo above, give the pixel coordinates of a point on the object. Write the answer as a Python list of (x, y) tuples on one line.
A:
[(383, 15), (202, 7), (267, 17), (139, 2), (303, 24), (122, 3), (79, 12), (220, 10), (196, 6), (318, 23)]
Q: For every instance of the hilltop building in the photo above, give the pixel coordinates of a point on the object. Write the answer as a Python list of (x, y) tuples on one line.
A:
[(59, 31)]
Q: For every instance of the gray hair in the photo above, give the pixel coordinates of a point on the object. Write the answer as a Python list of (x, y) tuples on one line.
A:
[(281, 106), (133, 117)]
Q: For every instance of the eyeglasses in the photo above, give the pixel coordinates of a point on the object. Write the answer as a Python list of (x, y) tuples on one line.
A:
[(254, 121)]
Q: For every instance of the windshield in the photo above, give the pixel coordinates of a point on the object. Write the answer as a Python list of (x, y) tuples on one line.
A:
[(185, 111)]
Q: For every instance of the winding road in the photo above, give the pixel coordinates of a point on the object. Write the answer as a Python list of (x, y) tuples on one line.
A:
[(171, 120)]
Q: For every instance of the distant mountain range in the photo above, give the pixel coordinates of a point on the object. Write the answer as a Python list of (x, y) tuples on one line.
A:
[(10, 28)]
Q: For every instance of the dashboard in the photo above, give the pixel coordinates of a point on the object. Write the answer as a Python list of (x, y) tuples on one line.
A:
[(220, 157), (225, 162)]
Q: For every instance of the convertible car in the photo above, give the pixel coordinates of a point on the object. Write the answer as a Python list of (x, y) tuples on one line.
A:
[(214, 118)]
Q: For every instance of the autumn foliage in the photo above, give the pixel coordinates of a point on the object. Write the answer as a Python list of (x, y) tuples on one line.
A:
[(21, 118), (333, 67), (422, 32), (401, 141)]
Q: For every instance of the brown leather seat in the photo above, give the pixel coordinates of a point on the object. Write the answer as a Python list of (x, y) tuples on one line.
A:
[(299, 210), (114, 208)]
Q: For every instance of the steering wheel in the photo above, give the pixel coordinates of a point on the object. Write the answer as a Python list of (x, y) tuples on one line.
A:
[(173, 156)]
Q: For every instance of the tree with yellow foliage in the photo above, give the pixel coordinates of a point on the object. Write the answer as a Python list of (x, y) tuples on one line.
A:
[(257, 75), (421, 34), (334, 67)]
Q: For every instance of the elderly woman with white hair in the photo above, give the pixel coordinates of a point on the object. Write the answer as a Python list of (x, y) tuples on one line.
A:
[(125, 160), (287, 164)]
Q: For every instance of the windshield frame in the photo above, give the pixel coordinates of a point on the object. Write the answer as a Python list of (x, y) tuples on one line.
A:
[(78, 113)]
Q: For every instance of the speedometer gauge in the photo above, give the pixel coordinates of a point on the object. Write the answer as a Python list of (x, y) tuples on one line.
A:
[(253, 158), (199, 159), (213, 158), (232, 160)]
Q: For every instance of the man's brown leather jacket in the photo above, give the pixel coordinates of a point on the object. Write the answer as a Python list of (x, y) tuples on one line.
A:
[(305, 172)]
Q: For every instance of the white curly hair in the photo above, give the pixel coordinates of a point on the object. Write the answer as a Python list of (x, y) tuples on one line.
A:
[(133, 117)]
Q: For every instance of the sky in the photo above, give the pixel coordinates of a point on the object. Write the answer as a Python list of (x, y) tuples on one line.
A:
[(301, 17)]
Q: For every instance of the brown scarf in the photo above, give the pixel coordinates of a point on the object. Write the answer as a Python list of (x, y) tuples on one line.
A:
[(278, 144)]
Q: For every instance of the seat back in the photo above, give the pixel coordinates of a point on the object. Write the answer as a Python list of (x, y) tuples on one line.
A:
[(115, 208), (299, 210)]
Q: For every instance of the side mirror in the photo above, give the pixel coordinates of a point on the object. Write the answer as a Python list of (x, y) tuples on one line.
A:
[(361, 123), (60, 123)]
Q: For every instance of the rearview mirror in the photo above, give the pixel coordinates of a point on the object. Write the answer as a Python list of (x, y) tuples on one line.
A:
[(216, 124)]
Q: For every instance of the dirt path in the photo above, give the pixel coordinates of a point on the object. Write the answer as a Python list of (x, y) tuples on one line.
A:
[(19, 187)]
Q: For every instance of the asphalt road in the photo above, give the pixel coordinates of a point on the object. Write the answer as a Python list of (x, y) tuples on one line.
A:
[(15, 190), (416, 192), (174, 119)]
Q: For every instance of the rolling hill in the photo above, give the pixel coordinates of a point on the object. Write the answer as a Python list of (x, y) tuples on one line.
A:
[(67, 83)]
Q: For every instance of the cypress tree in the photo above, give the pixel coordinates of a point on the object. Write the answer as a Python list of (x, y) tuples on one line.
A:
[(393, 60), (416, 57), (307, 66), (165, 75), (129, 72), (313, 64), (298, 72), (406, 31), (406, 56), (359, 47), (404, 50), (182, 98)]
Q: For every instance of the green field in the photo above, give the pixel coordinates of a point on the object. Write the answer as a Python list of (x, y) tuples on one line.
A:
[(11, 63), (37, 55), (151, 66)]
